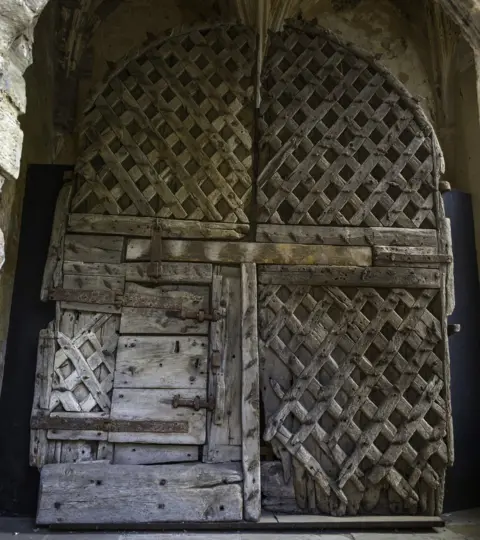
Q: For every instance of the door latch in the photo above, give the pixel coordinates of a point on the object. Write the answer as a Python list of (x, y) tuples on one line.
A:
[(196, 403), (199, 316)]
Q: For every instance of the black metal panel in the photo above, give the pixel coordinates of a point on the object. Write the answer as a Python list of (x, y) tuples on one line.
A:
[(18, 482), (463, 479)]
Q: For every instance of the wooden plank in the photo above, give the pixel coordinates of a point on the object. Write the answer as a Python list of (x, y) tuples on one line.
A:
[(250, 395), (94, 269), (408, 256), (53, 266), (224, 426), (161, 362), (93, 283), (350, 277), (346, 236), (244, 252), (155, 321), (171, 272), (156, 405), (93, 249), (142, 226), (87, 307), (102, 493), (153, 454), (277, 494), (85, 422), (76, 435), (170, 297)]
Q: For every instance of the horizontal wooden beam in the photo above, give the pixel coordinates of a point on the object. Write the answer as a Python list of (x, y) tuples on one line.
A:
[(350, 276), (143, 226), (73, 423), (425, 257), (346, 236), (245, 252)]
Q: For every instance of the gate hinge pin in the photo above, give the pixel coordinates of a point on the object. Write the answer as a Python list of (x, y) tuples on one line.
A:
[(195, 403)]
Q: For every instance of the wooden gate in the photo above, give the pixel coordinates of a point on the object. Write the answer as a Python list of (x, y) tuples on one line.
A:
[(169, 243)]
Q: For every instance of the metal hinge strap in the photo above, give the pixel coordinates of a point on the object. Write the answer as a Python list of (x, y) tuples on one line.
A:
[(156, 251)]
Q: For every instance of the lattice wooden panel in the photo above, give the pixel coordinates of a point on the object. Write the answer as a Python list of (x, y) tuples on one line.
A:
[(84, 364), (170, 135), (340, 144), (353, 383)]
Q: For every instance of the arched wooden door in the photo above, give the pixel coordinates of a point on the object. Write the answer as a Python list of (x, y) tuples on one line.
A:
[(175, 247)]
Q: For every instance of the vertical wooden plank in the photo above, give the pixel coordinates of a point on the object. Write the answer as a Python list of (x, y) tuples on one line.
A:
[(250, 395), (53, 267), (224, 425)]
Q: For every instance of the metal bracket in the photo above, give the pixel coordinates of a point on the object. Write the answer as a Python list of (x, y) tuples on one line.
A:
[(156, 252), (196, 403)]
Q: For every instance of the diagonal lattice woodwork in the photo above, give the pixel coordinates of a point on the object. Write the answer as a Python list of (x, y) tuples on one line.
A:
[(339, 143), (83, 368), (354, 391), (170, 135)]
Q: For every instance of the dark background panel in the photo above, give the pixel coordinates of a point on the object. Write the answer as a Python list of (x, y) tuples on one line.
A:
[(463, 480), (18, 482)]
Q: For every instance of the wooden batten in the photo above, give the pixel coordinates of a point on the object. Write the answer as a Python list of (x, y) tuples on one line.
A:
[(346, 236), (142, 226), (245, 252), (250, 395), (350, 277), (425, 257)]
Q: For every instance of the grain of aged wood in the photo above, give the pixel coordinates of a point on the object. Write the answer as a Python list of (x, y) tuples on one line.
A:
[(171, 272), (350, 277), (225, 425), (156, 405), (93, 249), (90, 493), (142, 226), (409, 257), (346, 236), (250, 395), (161, 362), (153, 454), (53, 266), (243, 252)]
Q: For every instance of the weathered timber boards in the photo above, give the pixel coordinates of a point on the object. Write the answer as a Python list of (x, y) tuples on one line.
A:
[(156, 406), (93, 249), (408, 257), (142, 226), (277, 494), (103, 493), (52, 271), (350, 277), (157, 321), (153, 454), (346, 236), (250, 395), (171, 272), (224, 424), (245, 252), (80, 423), (161, 362)]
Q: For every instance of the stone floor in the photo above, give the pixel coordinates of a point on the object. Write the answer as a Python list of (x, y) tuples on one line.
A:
[(459, 526)]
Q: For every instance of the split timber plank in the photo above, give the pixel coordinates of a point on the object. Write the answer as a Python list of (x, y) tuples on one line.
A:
[(102, 493), (143, 226), (245, 252), (250, 395), (350, 277), (93, 249), (94, 269), (142, 405), (157, 321), (346, 236), (153, 454), (161, 362)]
